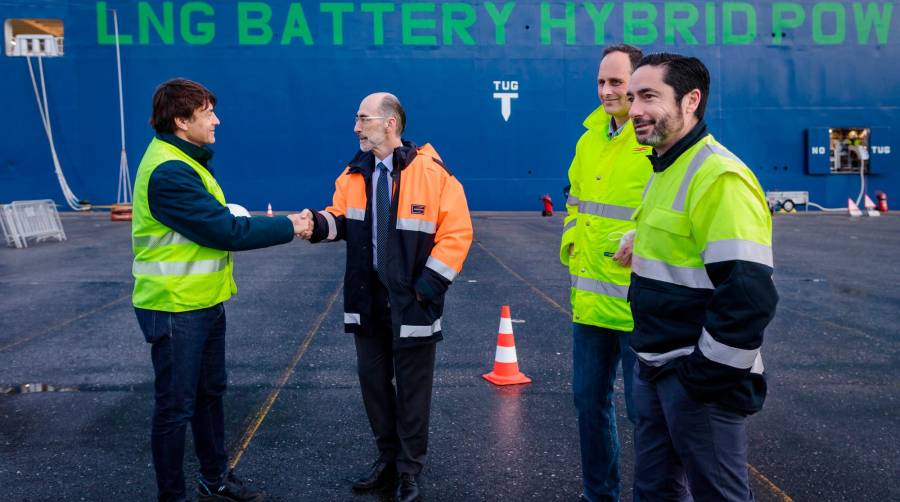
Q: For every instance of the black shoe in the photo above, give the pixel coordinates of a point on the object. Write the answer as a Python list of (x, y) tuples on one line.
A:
[(230, 489), (381, 474), (408, 490)]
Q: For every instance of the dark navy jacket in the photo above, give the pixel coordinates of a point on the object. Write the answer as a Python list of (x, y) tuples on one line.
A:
[(178, 200)]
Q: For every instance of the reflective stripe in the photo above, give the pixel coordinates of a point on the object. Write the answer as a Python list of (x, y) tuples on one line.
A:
[(570, 225), (599, 287), (655, 359), (647, 186), (407, 331), (505, 355), (758, 365), (155, 241), (332, 226), (179, 267), (351, 318), (696, 162), (717, 351), (606, 210), (682, 276), (572, 200), (416, 225), (441, 268), (737, 249), (355, 213)]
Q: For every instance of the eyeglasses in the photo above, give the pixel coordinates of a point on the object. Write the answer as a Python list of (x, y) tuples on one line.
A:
[(366, 118)]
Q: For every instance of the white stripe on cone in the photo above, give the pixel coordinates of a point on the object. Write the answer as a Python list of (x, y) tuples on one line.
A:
[(505, 355), (506, 326)]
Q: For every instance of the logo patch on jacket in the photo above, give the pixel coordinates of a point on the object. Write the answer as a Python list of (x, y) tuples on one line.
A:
[(417, 209), (640, 149)]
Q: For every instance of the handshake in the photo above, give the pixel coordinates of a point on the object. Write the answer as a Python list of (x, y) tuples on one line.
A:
[(303, 224)]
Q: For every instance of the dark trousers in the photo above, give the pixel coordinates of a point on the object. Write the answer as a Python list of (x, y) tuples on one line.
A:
[(398, 416), (188, 352), (596, 354), (686, 449)]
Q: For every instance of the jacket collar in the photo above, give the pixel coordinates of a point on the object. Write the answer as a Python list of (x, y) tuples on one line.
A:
[(364, 162), (597, 121), (661, 162), (202, 154), (602, 123)]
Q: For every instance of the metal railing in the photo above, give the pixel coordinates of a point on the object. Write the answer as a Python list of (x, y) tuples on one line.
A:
[(30, 219)]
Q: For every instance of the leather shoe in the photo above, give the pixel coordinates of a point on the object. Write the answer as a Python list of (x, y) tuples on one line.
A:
[(408, 489), (381, 474)]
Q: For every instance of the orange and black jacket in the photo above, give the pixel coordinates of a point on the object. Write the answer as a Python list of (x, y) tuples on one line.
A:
[(430, 234)]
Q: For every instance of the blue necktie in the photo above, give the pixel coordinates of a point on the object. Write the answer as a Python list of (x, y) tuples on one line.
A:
[(383, 205)]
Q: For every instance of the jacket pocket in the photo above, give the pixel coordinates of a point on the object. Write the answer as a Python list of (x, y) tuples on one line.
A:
[(424, 313), (156, 325), (669, 221)]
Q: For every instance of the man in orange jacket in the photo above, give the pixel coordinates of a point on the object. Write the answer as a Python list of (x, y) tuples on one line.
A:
[(408, 231)]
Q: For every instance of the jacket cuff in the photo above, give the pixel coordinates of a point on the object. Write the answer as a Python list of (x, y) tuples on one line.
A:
[(320, 227), (564, 250), (430, 285)]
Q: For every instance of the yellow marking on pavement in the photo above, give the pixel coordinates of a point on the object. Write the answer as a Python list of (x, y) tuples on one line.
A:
[(285, 375), (770, 485), (778, 492), (65, 323)]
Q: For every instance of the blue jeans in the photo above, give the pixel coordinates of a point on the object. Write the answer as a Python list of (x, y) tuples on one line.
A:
[(188, 352), (596, 354), (685, 449)]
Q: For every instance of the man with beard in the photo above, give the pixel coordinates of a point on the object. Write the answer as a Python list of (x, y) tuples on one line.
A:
[(607, 176), (406, 222), (701, 294)]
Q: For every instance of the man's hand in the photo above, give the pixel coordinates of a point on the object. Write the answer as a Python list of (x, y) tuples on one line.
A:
[(626, 246), (571, 249), (303, 224)]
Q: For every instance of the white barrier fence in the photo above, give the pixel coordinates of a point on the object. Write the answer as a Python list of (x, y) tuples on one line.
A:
[(30, 219)]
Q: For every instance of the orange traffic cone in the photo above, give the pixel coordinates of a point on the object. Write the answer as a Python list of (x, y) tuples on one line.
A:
[(506, 365), (269, 212), (853, 209)]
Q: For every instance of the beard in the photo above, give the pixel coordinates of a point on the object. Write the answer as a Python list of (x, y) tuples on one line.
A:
[(663, 128)]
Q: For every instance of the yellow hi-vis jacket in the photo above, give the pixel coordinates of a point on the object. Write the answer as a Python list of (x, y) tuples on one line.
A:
[(171, 272), (607, 177), (702, 291)]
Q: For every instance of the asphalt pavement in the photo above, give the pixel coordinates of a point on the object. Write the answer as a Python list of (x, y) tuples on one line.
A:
[(76, 382)]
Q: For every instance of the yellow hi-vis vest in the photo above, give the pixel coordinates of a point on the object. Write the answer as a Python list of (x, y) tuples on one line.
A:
[(607, 177), (171, 272)]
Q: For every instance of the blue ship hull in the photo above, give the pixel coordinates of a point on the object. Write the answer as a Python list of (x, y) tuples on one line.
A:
[(289, 76)]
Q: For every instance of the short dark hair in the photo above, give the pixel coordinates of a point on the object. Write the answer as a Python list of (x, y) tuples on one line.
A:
[(390, 105), (634, 54), (684, 74), (178, 98)]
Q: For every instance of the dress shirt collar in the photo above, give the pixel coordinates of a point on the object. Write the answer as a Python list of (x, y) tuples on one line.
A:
[(387, 161)]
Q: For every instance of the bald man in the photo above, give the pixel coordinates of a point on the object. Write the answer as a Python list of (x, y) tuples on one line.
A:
[(406, 223)]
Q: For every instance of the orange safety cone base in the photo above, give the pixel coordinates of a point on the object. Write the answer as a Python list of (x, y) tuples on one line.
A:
[(496, 379)]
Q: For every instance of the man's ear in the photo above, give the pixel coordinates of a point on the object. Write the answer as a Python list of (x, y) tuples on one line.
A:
[(181, 123), (691, 101)]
